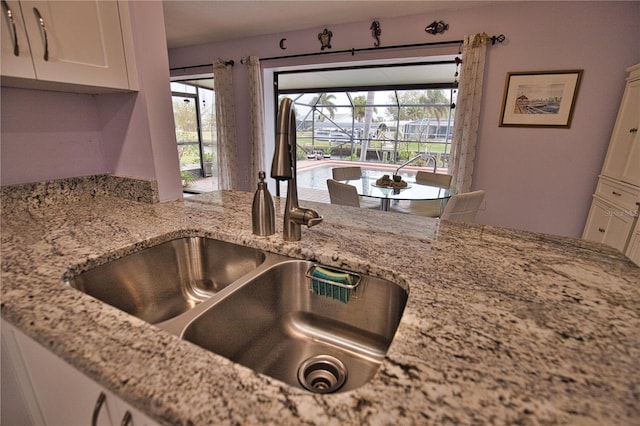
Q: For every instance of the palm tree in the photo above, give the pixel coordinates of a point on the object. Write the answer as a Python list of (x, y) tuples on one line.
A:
[(358, 107), (420, 104), (368, 115), (322, 102)]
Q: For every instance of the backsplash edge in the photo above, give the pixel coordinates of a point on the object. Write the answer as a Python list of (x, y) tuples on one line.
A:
[(46, 193)]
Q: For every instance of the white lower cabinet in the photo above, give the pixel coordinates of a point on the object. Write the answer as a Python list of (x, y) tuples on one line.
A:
[(38, 388), (608, 224), (633, 250)]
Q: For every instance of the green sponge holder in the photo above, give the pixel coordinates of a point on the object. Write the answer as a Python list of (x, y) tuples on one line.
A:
[(332, 289)]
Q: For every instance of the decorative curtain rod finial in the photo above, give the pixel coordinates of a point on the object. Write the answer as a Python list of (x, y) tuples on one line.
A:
[(437, 27), (325, 39), (375, 32), (500, 38)]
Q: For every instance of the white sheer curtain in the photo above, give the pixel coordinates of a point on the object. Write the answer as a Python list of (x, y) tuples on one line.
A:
[(256, 119), (468, 111), (225, 124)]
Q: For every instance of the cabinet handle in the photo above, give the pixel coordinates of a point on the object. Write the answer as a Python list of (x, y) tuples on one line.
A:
[(617, 194), (601, 229), (9, 13), (126, 420), (96, 409), (43, 29), (633, 130)]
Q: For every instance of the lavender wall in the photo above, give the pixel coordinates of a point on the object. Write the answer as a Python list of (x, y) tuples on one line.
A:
[(52, 135), (542, 179), (140, 129), (536, 179)]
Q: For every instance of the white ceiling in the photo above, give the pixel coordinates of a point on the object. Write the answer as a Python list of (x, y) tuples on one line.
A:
[(190, 22), (403, 74)]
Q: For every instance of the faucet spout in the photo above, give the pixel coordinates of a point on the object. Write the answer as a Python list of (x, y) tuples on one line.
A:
[(428, 156), (284, 167)]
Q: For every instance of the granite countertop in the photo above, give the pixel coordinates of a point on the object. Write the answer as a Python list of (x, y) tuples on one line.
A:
[(500, 326)]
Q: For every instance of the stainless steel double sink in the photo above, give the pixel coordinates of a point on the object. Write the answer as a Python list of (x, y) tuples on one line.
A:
[(255, 308)]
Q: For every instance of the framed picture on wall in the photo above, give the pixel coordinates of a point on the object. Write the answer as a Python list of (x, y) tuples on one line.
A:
[(540, 98)]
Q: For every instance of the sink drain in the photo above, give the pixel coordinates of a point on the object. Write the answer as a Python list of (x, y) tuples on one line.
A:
[(322, 374)]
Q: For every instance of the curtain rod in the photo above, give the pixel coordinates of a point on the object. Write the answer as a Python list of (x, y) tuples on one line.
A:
[(499, 39), (227, 63), (362, 49)]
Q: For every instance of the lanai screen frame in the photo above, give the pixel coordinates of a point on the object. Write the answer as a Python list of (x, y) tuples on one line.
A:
[(349, 137)]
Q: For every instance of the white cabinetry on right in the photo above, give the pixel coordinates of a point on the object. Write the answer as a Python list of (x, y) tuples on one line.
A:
[(623, 157), (633, 249), (50, 44), (613, 218)]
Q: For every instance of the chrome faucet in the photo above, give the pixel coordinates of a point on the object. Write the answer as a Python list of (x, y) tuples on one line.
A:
[(284, 167), (428, 156)]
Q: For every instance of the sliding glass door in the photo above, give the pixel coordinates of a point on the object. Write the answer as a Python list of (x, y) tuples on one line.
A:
[(194, 117)]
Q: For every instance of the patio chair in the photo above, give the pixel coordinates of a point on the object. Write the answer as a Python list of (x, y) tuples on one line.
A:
[(354, 172), (347, 173), (463, 207), (436, 179), (431, 208), (343, 193)]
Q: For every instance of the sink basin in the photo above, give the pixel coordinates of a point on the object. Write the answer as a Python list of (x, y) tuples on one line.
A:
[(274, 324), (166, 280)]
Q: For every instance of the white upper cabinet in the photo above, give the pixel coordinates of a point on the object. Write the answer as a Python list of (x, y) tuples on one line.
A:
[(16, 54), (71, 42), (623, 158)]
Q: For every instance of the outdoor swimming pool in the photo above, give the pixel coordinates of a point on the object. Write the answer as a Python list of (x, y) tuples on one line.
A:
[(316, 176)]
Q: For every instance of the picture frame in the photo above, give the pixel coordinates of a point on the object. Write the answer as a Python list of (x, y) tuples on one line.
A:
[(540, 98)]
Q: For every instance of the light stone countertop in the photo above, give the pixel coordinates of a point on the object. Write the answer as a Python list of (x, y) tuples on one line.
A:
[(501, 326)]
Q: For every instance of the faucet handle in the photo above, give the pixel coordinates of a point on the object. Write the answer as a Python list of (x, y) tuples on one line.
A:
[(311, 218)]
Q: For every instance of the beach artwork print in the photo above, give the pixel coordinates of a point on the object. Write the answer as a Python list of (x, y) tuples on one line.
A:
[(540, 98), (543, 99)]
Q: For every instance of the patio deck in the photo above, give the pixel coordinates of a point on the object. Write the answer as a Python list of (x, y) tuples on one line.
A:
[(310, 194)]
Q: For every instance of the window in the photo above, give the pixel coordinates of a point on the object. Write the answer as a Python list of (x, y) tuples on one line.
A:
[(194, 117), (374, 113), (383, 126)]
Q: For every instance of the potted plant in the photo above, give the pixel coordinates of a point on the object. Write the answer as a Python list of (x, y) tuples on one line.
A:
[(208, 163), (187, 178)]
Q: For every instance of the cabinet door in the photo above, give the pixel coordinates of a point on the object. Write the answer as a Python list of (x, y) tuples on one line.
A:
[(633, 250), (608, 224), (623, 157), (45, 390), (16, 54), (63, 395), (77, 42), (124, 414)]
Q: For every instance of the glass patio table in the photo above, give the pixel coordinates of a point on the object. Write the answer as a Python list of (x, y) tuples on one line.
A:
[(366, 187)]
